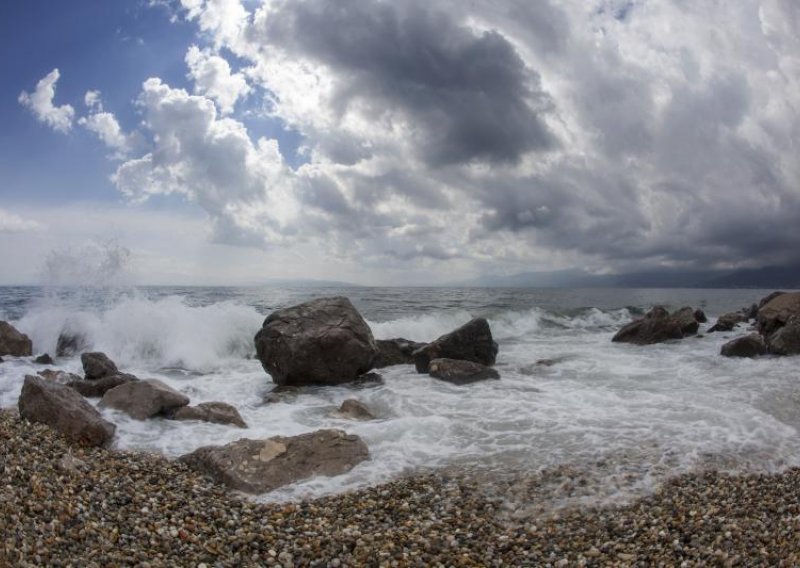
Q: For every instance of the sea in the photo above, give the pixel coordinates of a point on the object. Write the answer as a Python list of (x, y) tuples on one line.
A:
[(624, 417)]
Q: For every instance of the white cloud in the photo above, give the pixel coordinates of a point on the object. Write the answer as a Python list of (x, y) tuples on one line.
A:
[(213, 78), (40, 102), (106, 127), (11, 223)]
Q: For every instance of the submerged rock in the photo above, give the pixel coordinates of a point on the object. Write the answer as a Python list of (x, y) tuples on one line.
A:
[(97, 365), (43, 359), (65, 411), (215, 412), (258, 466), (355, 410), (397, 351), (99, 387), (747, 346), (144, 399), (460, 372), (470, 342), (324, 341), (13, 342)]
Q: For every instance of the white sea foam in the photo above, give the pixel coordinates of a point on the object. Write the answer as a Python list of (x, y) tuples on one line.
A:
[(567, 394)]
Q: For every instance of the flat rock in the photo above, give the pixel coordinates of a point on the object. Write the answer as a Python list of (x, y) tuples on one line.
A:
[(396, 351), (144, 399), (747, 346), (324, 341), (216, 412), (97, 365), (258, 466), (460, 372), (470, 342), (13, 342), (65, 411), (99, 387), (353, 409)]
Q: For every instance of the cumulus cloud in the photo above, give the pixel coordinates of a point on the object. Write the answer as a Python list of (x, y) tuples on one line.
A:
[(11, 223), (213, 78), (106, 126), (40, 102)]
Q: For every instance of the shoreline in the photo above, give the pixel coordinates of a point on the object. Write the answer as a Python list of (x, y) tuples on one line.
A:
[(61, 506)]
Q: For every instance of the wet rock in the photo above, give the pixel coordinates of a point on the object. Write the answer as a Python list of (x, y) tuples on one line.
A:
[(655, 327), (61, 377), (726, 322), (470, 342), (65, 411), (324, 341), (775, 313), (751, 312), (70, 343), (99, 387), (44, 359), (766, 299), (355, 410), (700, 316), (786, 341), (14, 343), (97, 365), (687, 319), (144, 399), (1, 359), (397, 351), (747, 346), (258, 466), (215, 412), (460, 372)]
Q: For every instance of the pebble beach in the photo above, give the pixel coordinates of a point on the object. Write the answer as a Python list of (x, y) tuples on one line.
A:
[(67, 506)]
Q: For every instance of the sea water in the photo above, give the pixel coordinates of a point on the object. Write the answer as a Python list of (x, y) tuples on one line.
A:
[(627, 416)]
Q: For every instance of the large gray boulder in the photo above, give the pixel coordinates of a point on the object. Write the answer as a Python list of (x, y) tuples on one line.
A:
[(98, 387), (786, 341), (775, 313), (471, 342), (144, 399), (746, 346), (324, 341), (215, 412), (97, 365), (65, 411), (12, 342), (460, 372), (397, 351), (258, 466), (658, 326)]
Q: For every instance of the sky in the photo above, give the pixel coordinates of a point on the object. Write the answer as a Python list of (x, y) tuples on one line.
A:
[(385, 142)]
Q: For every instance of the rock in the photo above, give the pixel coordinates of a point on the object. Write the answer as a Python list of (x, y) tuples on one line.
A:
[(395, 352), (726, 322), (143, 399), (751, 312), (786, 341), (97, 365), (14, 343), (355, 410), (470, 342), (70, 343), (216, 412), (766, 299), (324, 341), (655, 327), (460, 372), (1, 359), (65, 411), (258, 466), (61, 377), (775, 313), (746, 346), (99, 387), (44, 359), (687, 319), (700, 316)]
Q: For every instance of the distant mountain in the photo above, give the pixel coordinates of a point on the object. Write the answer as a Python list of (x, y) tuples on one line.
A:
[(307, 283), (787, 277)]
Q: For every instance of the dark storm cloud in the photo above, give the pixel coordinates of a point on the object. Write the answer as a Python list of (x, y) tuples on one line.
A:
[(468, 95)]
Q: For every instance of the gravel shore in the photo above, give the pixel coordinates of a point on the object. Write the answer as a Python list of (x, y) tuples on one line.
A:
[(62, 506)]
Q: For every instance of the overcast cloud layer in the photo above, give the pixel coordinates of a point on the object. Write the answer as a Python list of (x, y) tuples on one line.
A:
[(494, 135)]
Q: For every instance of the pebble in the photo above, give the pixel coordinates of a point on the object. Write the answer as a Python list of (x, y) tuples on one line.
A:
[(124, 509)]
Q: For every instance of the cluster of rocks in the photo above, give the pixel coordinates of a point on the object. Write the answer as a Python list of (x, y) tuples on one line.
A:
[(775, 325)]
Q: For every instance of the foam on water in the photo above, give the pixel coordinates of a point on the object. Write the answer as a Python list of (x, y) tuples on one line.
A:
[(567, 395)]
